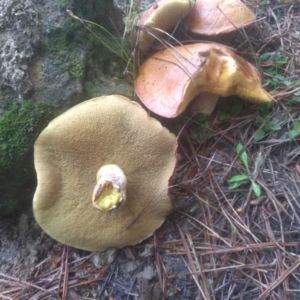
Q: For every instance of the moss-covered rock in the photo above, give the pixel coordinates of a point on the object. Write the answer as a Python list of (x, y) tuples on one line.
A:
[(49, 62), (19, 127)]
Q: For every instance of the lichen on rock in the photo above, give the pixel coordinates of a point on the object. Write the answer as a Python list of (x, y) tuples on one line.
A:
[(18, 22), (15, 14), (14, 68)]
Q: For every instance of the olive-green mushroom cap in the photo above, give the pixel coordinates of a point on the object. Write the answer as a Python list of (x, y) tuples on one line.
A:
[(70, 151)]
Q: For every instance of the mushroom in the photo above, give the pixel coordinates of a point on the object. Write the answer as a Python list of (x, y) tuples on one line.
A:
[(170, 79), (103, 170), (162, 16), (214, 17), (204, 103)]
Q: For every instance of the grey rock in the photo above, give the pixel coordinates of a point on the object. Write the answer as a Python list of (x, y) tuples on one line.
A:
[(148, 273), (104, 258), (18, 23), (48, 63)]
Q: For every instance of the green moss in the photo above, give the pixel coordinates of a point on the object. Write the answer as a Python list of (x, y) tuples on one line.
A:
[(77, 69), (18, 128), (62, 41), (61, 1)]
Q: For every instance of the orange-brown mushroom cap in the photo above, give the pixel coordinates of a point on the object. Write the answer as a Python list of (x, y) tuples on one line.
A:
[(68, 154), (213, 17), (170, 79), (161, 16)]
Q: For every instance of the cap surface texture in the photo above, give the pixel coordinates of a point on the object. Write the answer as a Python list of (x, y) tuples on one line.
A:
[(68, 154), (162, 16), (214, 17)]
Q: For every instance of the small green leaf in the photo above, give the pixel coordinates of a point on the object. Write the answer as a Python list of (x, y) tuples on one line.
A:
[(223, 116), (243, 155), (199, 133), (240, 177), (265, 56), (282, 61), (296, 34), (256, 188), (259, 134), (272, 126), (264, 110), (201, 117), (293, 133), (234, 185), (268, 126), (278, 78), (275, 126), (271, 72), (236, 109), (296, 126)]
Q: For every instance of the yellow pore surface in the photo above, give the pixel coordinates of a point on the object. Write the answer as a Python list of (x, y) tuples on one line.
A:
[(108, 198)]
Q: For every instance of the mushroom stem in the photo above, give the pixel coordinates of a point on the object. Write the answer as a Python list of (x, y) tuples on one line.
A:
[(204, 103), (110, 190)]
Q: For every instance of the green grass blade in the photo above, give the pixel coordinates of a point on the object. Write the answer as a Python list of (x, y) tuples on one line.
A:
[(256, 188), (243, 155)]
